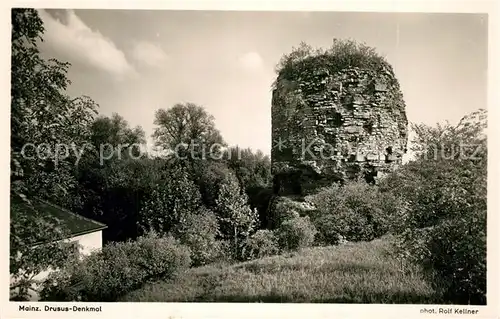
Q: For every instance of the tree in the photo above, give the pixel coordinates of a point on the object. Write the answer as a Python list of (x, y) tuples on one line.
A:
[(446, 157), (42, 115), (115, 133), (465, 140), (237, 220), (445, 188), (46, 126), (252, 169), (114, 193), (199, 232), (209, 175), (114, 176), (170, 202), (187, 128)]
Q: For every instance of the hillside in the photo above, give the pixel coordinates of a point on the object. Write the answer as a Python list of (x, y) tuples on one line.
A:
[(352, 273)]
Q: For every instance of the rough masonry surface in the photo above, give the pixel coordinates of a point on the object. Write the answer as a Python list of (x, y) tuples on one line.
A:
[(336, 126)]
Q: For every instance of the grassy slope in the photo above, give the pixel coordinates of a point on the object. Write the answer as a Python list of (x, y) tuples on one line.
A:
[(352, 273)]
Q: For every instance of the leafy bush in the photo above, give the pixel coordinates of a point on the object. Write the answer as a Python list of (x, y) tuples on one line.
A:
[(160, 257), (199, 232), (36, 121), (236, 219), (355, 211), (117, 269), (209, 176), (341, 55), (444, 227), (296, 233), (457, 258), (251, 169), (261, 244), (169, 203), (445, 231), (281, 209)]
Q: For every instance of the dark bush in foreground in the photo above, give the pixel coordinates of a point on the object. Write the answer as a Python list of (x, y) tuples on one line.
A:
[(457, 259), (117, 269), (261, 244), (447, 237), (280, 210), (444, 228), (355, 211), (199, 232), (296, 233)]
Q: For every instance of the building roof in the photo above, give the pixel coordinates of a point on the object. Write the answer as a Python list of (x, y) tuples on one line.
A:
[(76, 224)]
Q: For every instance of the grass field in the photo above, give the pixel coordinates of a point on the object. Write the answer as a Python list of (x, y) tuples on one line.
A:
[(352, 273)]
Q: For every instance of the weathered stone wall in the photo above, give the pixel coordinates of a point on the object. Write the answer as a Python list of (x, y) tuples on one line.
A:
[(331, 127)]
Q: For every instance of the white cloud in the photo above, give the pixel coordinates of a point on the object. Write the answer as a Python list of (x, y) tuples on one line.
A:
[(77, 41), (149, 54), (251, 61)]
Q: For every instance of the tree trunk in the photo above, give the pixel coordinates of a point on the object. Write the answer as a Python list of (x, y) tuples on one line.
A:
[(235, 242)]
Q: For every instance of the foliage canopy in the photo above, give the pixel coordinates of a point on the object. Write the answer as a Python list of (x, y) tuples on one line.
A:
[(342, 54)]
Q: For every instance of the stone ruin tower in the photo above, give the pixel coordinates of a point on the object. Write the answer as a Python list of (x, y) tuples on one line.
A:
[(335, 125)]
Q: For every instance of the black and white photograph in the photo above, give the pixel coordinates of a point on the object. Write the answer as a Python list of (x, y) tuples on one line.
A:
[(212, 156)]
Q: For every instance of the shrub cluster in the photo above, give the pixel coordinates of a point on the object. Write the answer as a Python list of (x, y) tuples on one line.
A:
[(444, 226), (199, 233), (290, 224), (457, 258), (296, 233), (355, 211), (280, 210), (261, 244), (117, 269), (444, 229), (340, 55)]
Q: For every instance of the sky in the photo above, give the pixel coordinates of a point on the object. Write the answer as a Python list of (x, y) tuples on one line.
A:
[(133, 62)]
